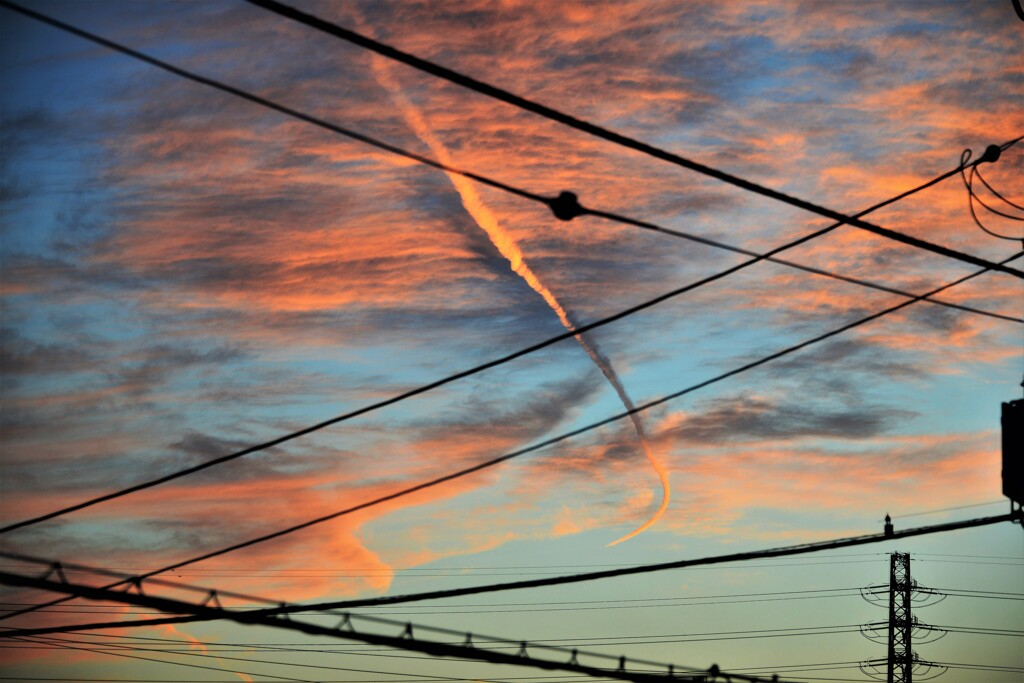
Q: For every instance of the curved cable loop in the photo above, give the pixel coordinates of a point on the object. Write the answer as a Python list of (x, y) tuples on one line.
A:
[(873, 672), (972, 196), (996, 193)]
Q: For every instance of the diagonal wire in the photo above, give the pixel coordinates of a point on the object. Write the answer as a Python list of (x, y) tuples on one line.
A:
[(482, 179), (204, 614), (535, 447), (62, 644), (606, 134)]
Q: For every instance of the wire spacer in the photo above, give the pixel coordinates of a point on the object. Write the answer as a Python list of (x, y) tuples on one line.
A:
[(522, 651), (58, 569), (212, 598), (566, 206)]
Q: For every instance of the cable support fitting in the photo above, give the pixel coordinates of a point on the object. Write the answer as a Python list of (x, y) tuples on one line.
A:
[(566, 206)]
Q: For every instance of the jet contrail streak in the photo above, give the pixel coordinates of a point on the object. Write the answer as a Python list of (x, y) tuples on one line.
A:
[(509, 248)]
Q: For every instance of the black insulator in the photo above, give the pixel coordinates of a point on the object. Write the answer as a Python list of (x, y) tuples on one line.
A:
[(565, 206), (992, 154)]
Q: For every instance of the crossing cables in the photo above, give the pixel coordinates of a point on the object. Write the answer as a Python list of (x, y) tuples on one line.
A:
[(968, 176), (991, 154), (564, 206), (545, 443)]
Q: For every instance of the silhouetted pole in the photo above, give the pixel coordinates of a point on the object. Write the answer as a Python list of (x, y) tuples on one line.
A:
[(1013, 452), (901, 657)]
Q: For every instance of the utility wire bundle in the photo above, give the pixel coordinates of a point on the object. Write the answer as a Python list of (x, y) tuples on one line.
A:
[(564, 206)]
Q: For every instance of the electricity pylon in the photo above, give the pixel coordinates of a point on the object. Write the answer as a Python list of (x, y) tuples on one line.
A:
[(901, 662)]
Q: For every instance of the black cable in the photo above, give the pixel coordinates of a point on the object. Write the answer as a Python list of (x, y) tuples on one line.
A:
[(725, 598), (949, 509), (456, 610), (487, 181), (526, 656), (968, 590), (605, 134), (644, 569), (968, 180), (137, 648), (996, 192), (174, 663), (547, 442), (535, 583)]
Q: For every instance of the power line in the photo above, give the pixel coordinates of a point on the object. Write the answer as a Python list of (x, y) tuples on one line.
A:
[(72, 568), (186, 664), (725, 598), (551, 441), (106, 648), (949, 509), (580, 641), (643, 569), (492, 183), (972, 196), (408, 640), (617, 138), (573, 578), (161, 643)]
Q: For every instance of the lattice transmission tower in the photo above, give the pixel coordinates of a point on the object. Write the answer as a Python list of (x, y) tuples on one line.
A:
[(901, 662)]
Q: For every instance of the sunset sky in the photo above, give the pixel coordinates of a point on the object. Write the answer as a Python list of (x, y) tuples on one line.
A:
[(184, 273)]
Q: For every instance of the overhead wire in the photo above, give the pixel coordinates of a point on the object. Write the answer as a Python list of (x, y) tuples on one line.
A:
[(552, 202), (550, 441), (972, 196), (418, 572), (520, 102), (544, 443), (677, 601), (163, 644), (532, 583), (526, 656), (176, 663), (948, 509), (107, 648), (620, 219)]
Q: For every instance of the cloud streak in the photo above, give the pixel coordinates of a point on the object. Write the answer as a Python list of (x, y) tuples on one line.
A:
[(510, 250)]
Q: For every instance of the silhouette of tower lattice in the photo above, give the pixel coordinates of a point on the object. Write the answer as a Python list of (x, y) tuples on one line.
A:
[(902, 628), (900, 661)]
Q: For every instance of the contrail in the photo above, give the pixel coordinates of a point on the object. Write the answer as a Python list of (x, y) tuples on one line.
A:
[(509, 248)]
